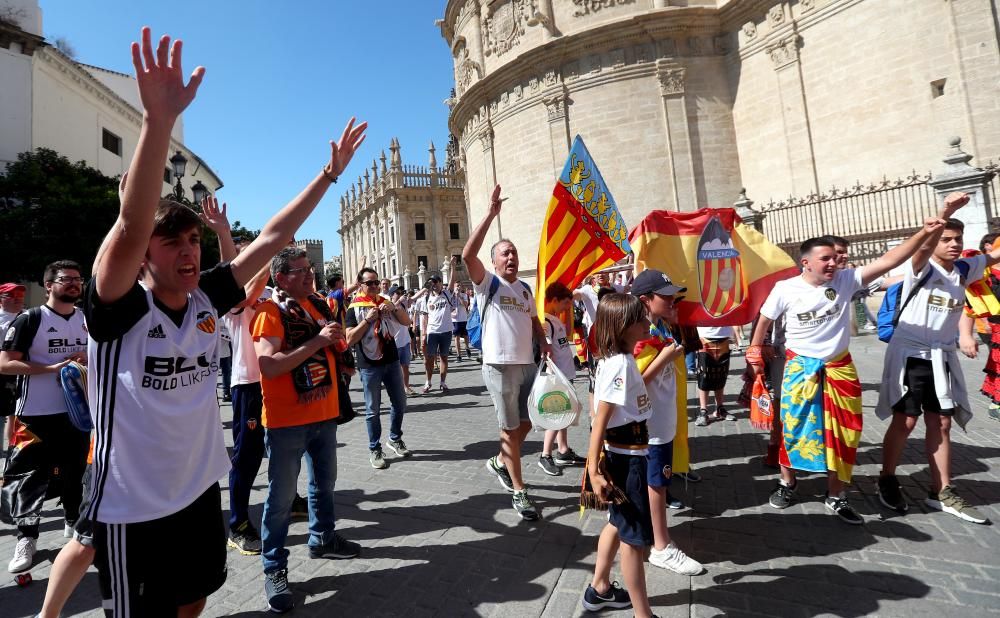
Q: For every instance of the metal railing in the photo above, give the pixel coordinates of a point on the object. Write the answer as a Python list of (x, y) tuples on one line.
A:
[(872, 217)]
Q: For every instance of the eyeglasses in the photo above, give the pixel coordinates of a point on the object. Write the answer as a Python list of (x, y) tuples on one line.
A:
[(371, 284), (65, 280), (304, 270)]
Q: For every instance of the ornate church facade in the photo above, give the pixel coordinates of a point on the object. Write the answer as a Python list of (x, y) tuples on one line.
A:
[(684, 102)]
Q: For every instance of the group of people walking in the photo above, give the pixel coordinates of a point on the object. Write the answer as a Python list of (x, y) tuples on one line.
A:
[(141, 498)]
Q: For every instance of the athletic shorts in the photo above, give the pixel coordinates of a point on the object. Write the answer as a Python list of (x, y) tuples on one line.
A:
[(83, 528), (151, 568), (921, 396), (659, 464), (438, 344), (405, 354), (632, 519), (458, 329), (509, 387)]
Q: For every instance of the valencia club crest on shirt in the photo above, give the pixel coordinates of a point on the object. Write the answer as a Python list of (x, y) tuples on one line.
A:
[(830, 294), (206, 322)]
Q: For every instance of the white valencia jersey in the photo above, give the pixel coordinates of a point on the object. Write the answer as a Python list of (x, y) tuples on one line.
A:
[(152, 388), (56, 338)]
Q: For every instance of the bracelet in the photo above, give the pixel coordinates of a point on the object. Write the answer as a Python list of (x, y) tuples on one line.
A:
[(329, 176)]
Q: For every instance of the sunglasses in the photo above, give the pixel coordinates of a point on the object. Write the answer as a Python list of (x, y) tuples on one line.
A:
[(370, 284)]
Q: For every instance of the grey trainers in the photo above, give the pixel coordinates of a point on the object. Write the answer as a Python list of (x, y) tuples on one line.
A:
[(279, 595), (702, 420), (948, 501), (377, 459), (524, 506), (399, 448), (548, 466), (502, 475), (245, 539)]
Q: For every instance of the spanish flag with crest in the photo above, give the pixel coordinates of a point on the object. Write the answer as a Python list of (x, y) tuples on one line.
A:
[(583, 231), (727, 266)]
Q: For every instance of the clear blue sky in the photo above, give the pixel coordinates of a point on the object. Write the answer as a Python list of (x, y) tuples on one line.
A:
[(282, 80)]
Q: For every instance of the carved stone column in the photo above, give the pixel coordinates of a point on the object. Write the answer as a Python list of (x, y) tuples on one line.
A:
[(556, 110), (680, 154), (784, 54)]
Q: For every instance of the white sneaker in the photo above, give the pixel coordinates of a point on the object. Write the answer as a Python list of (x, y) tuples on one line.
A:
[(673, 559), (24, 555), (426, 389)]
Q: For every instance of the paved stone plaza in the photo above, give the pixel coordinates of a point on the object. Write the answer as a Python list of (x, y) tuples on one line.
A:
[(440, 537)]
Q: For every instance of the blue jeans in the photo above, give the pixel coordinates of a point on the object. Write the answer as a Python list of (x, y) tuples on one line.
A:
[(372, 379), (691, 360), (285, 448)]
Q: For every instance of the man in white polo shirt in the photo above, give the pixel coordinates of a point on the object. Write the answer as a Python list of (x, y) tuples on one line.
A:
[(509, 322)]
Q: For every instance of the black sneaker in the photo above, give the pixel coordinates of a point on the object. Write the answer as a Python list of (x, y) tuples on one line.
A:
[(548, 466), (279, 595), (674, 503), (615, 598), (722, 414), (245, 539), (300, 508), (782, 496), (502, 475), (889, 494), (338, 548), (843, 509), (569, 458)]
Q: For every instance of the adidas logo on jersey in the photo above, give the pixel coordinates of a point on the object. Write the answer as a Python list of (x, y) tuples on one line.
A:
[(157, 332), (52, 329)]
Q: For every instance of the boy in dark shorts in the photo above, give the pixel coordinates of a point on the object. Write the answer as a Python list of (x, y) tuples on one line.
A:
[(922, 375), (153, 360)]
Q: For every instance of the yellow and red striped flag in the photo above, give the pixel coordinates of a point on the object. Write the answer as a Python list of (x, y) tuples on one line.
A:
[(727, 266), (583, 231)]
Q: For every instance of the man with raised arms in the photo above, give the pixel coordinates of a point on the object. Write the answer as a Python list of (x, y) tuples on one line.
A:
[(153, 358)]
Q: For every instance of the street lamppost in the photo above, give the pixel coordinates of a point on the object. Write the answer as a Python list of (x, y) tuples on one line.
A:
[(179, 163)]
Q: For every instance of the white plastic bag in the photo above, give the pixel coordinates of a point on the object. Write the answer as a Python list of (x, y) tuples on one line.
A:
[(553, 403)]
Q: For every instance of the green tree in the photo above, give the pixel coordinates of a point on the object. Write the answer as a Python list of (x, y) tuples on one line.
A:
[(52, 209)]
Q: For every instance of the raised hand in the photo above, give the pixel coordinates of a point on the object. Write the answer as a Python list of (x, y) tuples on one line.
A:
[(212, 216), (341, 152), (495, 202), (933, 224), (161, 82), (953, 202)]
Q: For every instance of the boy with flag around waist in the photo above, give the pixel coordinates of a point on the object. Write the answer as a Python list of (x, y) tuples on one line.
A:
[(820, 391)]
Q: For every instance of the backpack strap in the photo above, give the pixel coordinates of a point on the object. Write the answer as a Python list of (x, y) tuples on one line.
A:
[(913, 292), (34, 321), (494, 288)]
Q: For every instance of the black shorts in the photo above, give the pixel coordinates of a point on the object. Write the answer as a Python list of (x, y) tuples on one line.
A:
[(920, 396), (153, 567), (83, 529), (459, 330), (632, 519)]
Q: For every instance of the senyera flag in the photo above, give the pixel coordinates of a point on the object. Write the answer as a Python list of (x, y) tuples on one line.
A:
[(583, 231), (727, 266)]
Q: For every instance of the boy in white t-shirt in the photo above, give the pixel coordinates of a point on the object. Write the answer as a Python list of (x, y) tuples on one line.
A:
[(713, 371), (558, 300), (436, 329), (820, 392), (459, 317), (922, 374)]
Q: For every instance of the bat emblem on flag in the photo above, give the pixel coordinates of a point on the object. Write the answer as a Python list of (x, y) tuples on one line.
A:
[(720, 271)]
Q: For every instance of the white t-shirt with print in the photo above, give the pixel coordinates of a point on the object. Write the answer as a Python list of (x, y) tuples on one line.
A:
[(507, 329), (562, 347), (930, 319), (460, 313), (662, 425), (619, 382), (817, 317), (438, 309), (246, 369), (715, 332)]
